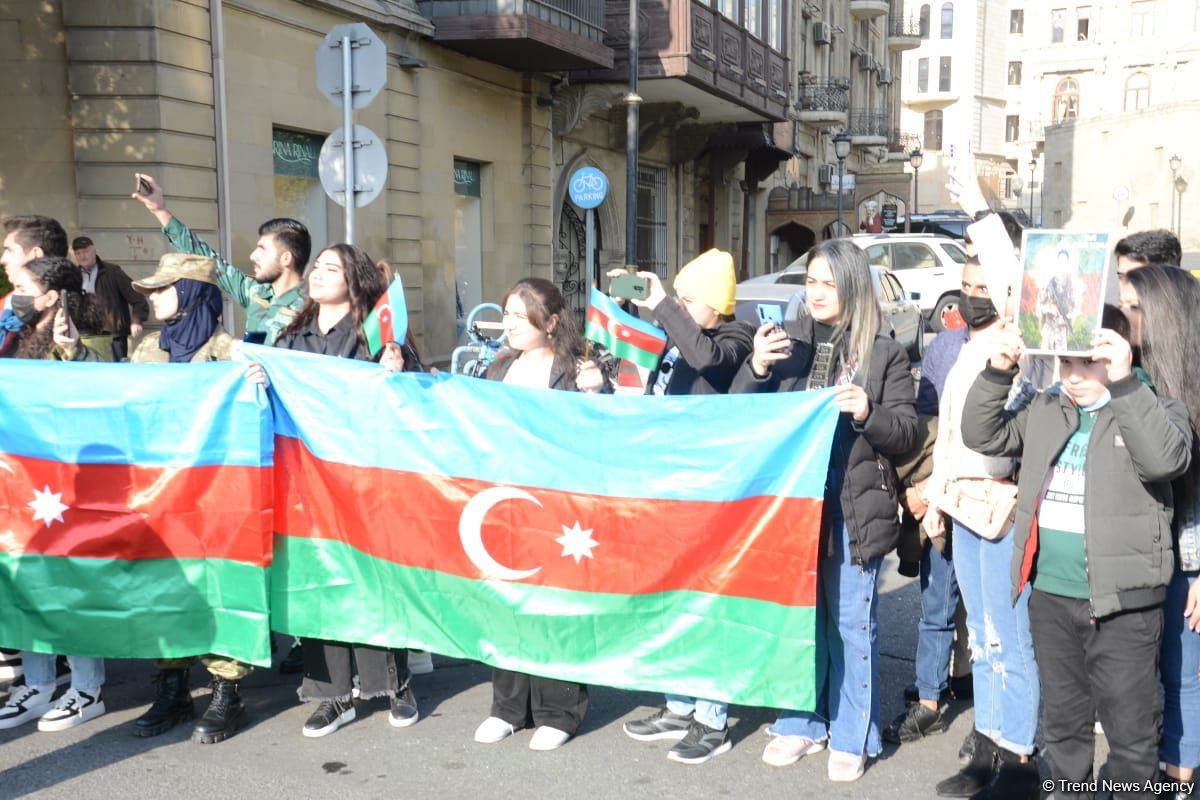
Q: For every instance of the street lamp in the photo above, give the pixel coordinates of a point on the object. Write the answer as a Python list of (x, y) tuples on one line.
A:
[(1032, 169), (1174, 161), (1180, 187), (841, 148), (914, 159)]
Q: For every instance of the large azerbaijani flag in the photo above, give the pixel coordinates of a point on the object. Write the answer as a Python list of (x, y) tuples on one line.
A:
[(664, 544), (135, 516)]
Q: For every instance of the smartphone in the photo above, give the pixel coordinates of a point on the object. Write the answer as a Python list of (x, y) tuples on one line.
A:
[(142, 186), (255, 337), (629, 287), (791, 342)]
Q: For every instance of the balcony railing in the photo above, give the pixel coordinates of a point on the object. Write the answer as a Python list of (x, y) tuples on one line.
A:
[(904, 26), (903, 142), (824, 96), (867, 122)]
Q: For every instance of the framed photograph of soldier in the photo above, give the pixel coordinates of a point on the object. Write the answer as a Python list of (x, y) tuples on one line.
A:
[(1062, 289)]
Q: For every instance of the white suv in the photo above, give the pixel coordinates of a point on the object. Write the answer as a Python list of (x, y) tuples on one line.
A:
[(927, 266)]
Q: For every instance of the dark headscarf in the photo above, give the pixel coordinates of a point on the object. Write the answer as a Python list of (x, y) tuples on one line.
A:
[(198, 317)]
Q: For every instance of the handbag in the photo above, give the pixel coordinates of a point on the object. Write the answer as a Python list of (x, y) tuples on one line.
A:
[(985, 505)]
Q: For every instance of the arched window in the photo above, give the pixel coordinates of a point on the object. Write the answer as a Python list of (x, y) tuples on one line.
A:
[(1137, 92), (1066, 100), (933, 130), (924, 21), (947, 20)]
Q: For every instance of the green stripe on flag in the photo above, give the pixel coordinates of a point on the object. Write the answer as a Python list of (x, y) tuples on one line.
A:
[(620, 348), (721, 648), (371, 333), (152, 608)]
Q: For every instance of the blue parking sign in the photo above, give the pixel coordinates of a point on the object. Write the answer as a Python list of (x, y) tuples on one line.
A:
[(588, 187)]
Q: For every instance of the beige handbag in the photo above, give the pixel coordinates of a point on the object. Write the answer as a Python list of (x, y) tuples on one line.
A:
[(984, 505)]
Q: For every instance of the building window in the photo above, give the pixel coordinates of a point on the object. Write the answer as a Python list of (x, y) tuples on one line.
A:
[(947, 20), (1012, 127), (933, 130), (944, 74), (727, 8), (1137, 92), (468, 237), (752, 17), (1016, 21), (1058, 19), (923, 75), (1066, 100), (775, 24), (652, 219), (1143, 18), (1083, 19), (298, 191), (924, 22), (1014, 73)]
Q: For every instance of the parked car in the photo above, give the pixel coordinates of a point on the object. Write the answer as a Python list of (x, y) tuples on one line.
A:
[(952, 224), (780, 296), (928, 266)]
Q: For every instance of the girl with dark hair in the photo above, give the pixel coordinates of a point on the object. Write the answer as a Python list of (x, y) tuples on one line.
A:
[(544, 350), (1161, 303), (839, 344), (343, 286)]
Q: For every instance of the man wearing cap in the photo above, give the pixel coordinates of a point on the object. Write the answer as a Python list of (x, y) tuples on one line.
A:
[(121, 308), (272, 298)]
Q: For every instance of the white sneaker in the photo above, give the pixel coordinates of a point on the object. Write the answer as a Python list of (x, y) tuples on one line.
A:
[(547, 738), (73, 708), (420, 662), (783, 751), (10, 665), (25, 704), (845, 767), (492, 730)]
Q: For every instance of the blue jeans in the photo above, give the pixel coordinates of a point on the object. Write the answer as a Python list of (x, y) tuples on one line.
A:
[(1002, 662), (87, 674), (935, 630), (710, 712), (847, 654), (1180, 668)]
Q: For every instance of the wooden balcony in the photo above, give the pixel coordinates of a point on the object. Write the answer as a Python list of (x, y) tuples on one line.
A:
[(524, 35), (691, 54)]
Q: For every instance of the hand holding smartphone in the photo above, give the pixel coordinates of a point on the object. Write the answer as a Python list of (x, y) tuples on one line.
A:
[(629, 287)]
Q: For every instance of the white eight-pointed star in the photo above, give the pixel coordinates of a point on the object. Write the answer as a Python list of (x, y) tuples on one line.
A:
[(47, 506), (577, 542)]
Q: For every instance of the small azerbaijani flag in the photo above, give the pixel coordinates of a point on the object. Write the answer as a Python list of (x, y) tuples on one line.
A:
[(621, 333), (388, 321)]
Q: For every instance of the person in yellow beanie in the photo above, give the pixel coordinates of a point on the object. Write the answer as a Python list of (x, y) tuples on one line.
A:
[(705, 345)]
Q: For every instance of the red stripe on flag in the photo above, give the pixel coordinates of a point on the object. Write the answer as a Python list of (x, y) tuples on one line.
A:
[(762, 548), (131, 513), (639, 339)]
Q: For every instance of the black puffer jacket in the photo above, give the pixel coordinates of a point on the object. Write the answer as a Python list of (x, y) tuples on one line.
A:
[(709, 358), (868, 493)]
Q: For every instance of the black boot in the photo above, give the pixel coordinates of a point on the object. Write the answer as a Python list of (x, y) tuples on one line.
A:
[(225, 714), (293, 662), (1014, 779), (978, 772), (172, 706)]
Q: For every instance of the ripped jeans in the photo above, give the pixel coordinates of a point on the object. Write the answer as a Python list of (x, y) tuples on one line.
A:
[(1004, 670)]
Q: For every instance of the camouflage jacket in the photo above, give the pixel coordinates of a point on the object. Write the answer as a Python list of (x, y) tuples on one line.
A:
[(217, 348)]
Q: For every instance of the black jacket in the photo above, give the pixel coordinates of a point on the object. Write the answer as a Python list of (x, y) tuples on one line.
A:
[(341, 340), (116, 297), (708, 358), (868, 493), (1139, 443)]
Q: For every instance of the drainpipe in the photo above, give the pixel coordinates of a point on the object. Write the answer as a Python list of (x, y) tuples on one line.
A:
[(220, 113)]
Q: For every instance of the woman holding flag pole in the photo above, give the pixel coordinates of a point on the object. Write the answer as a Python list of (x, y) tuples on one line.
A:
[(839, 344), (344, 286)]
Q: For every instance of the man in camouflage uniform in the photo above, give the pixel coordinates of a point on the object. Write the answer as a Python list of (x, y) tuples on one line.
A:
[(275, 293)]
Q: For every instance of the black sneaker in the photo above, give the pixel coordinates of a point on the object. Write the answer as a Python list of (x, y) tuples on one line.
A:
[(404, 709), (700, 744), (329, 716), (1014, 779), (977, 774), (293, 662), (912, 695), (661, 725), (915, 723)]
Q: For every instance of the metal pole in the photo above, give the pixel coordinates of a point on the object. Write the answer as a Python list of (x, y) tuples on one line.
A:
[(841, 189), (348, 128), (916, 190), (1032, 221), (632, 105), (590, 244)]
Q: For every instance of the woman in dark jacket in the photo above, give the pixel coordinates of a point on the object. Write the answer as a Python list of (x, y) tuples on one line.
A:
[(839, 344), (544, 350), (343, 286)]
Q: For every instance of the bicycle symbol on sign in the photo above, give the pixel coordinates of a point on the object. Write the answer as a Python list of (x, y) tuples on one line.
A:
[(588, 182)]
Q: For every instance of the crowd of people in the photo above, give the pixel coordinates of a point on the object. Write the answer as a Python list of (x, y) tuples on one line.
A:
[(1050, 507)]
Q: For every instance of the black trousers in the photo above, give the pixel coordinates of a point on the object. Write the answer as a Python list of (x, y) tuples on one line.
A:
[(329, 669), (518, 698), (120, 348), (1107, 666)]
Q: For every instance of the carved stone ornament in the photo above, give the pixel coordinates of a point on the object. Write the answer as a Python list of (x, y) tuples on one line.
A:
[(574, 104)]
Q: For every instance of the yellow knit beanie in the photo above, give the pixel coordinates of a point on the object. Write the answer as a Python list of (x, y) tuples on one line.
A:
[(709, 278)]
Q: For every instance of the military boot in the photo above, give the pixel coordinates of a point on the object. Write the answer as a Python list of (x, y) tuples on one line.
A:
[(226, 713), (172, 706)]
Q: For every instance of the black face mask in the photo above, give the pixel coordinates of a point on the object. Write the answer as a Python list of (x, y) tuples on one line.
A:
[(977, 311), (23, 308)]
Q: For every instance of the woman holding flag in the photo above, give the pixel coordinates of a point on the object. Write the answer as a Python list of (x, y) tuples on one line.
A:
[(839, 344), (343, 288)]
